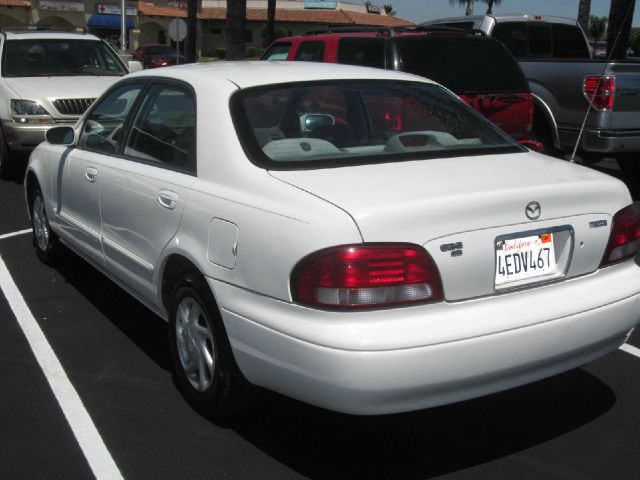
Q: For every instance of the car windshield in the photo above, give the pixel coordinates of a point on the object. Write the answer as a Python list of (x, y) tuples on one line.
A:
[(160, 50), (59, 57), (335, 123)]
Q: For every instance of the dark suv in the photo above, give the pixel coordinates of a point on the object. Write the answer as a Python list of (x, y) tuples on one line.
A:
[(477, 68)]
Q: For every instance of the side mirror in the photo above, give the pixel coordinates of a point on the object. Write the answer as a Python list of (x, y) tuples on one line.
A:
[(134, 66), (60, 135)]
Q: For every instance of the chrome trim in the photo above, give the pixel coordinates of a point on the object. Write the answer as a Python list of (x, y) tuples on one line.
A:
[(131, 256), (549, 117), (86, 229)]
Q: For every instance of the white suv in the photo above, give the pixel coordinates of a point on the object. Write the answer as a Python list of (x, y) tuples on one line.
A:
[(49, 78)]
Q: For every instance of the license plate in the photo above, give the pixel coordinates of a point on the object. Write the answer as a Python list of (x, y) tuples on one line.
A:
[(523, 258)]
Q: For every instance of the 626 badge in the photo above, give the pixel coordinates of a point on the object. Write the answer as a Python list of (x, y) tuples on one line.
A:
[(524, 257)]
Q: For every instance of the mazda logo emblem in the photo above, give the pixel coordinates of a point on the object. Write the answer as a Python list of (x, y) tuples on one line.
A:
[(533, 210)]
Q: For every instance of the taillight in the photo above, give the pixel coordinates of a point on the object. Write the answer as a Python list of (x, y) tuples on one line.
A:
[(625, 236), (366, 275), (600, 91)]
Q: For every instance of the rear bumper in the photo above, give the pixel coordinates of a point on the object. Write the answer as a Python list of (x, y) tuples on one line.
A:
[(611, 141), (404, 359)]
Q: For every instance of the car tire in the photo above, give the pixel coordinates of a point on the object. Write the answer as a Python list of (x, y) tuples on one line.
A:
[(204, 367), (6, 164), (45, 241)]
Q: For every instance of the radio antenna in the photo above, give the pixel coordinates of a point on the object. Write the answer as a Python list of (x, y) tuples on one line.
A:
[(606, 64)]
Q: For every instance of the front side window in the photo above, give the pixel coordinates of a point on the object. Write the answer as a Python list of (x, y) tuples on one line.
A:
[(164, 130), (279, 51), (337, 123), (59, 57), (103, 127)]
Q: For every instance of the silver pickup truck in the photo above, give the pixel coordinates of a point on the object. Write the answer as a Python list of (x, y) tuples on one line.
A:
[(555, 57)]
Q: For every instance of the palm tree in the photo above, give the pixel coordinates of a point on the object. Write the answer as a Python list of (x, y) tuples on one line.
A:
[(491, 3), (467, 3), (620, 16), (271, 22), (584, 9), (236, 27)]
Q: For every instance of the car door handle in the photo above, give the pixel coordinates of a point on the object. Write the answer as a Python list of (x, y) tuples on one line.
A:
[(90, 174), (167, 199)]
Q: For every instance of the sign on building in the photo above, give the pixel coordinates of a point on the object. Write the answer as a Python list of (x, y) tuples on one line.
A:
[(113, 9), (320, 4), (61, 6)]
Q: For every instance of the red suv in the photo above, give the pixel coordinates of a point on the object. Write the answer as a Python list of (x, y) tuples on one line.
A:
[(479, 69)]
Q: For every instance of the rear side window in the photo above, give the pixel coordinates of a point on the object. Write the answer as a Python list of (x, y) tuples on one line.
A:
[(568, 42), (310, 52), (464, 65), (540, 40), (279, 51), (513, 36), (367, 52), (164, 131)]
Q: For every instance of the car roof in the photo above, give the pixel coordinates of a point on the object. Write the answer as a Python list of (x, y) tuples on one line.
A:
[(506, 17), (246, 74), (16, 34), (383, 33)]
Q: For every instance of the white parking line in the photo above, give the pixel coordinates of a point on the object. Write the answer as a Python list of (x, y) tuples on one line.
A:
[(630, 349), (92, 445), (15, 234)]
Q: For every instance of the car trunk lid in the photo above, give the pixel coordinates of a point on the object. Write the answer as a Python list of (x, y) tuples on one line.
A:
[(459, 209)]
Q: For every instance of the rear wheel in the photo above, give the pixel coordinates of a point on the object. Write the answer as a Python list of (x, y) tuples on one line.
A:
[(205, 370), (45, 240)]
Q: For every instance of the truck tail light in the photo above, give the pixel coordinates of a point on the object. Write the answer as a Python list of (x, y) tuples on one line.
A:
[(600, 91), (366, 276), (625, 236)]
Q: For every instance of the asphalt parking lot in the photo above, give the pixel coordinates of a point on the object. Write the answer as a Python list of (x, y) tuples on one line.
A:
[(109, 408)]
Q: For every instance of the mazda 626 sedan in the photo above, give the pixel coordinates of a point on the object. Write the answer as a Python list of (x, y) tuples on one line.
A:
[(357, 239)]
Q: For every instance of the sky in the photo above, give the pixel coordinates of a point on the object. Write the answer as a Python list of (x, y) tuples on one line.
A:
[(420, 10)]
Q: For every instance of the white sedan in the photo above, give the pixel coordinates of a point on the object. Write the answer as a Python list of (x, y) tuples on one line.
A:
[(357, 239)]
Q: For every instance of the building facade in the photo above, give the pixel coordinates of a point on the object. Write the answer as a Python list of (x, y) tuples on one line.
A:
[(148, 22)]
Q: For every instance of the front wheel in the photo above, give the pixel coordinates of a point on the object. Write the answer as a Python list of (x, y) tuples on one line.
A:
[(204, 368), (45, 240)]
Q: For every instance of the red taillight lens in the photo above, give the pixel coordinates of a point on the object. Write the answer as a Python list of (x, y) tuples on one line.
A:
[(600, 91), (368, 275), (625, 236)]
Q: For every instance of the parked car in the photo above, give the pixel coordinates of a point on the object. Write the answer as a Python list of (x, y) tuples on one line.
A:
[(478, 69), (555, 57), (156, 55), (354, 238), (48, 78)]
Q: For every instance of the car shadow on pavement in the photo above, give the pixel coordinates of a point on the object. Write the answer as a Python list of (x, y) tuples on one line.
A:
[(322, 444), (138, 323)]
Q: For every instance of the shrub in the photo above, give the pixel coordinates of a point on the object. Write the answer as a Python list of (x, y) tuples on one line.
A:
[(221, 53)]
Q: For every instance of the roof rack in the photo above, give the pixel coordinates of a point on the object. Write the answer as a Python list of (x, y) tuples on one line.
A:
[(392, 31)]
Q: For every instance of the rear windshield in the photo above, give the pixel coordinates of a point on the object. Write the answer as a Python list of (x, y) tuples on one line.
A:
[(59, 57), (468, 65), (339, 123)]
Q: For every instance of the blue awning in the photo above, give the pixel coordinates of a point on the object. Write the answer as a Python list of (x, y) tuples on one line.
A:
[(103, 20)]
